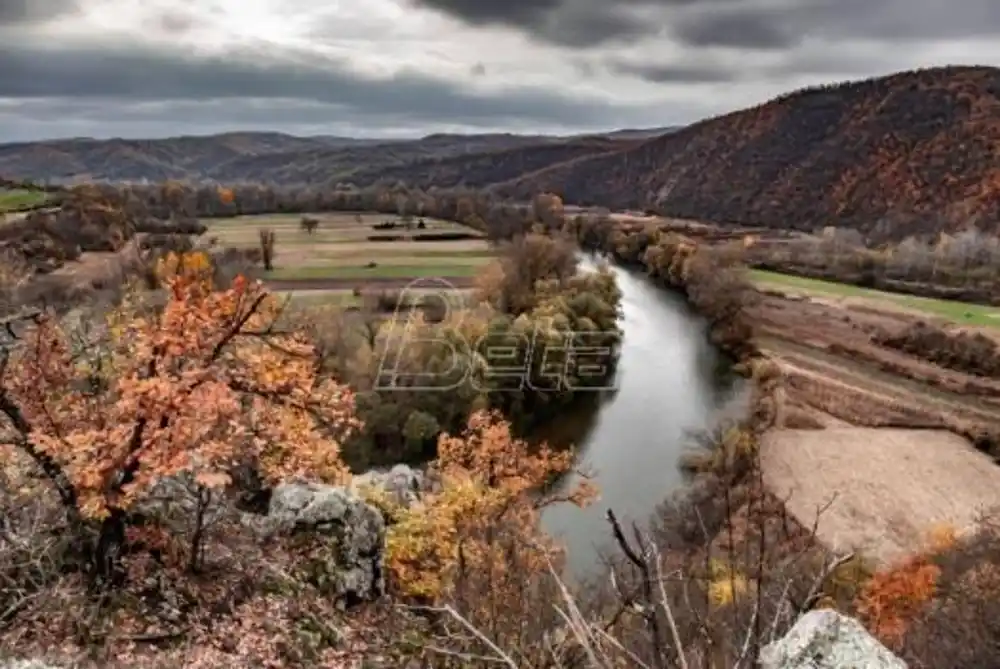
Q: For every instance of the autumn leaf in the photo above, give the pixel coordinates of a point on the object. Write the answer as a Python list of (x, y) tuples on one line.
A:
[(213, 479)]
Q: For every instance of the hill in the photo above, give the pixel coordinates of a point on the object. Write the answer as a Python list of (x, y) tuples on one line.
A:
[(914, 152), (279, 158)]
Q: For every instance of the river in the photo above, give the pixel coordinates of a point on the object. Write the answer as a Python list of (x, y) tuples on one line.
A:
[(669, 382)]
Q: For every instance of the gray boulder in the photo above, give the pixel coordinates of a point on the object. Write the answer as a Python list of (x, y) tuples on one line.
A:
[(352, 568), (403, 483), (825, 639)]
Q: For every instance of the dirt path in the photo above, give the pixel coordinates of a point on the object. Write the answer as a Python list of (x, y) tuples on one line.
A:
[(883, 489)]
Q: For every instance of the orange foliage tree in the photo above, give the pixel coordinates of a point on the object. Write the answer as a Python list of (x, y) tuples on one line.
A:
[(894, 597), (226, 195), (195, 387), (476, 543)]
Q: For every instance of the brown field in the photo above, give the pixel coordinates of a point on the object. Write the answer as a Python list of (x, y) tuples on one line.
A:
[(882, 429), (339, 257), (881, 490)]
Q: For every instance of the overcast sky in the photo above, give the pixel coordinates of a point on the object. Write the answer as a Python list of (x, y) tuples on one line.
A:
[(152, 68)]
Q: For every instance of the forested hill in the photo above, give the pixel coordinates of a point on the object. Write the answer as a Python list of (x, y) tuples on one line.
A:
[(276, 158), (908, 153)]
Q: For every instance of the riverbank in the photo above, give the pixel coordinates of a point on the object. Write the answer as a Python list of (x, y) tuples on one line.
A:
[(867, 364), (632, 439)]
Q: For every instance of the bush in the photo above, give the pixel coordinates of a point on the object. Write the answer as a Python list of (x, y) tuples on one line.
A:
[(443, 236), (970, 353)]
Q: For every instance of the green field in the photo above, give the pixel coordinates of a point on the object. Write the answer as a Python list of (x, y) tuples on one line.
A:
[(346, 298), (379, 272), (959, 312), (14, 200), (340, 251)]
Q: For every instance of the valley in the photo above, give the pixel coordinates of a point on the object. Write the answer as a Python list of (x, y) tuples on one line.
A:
[(765, 341)]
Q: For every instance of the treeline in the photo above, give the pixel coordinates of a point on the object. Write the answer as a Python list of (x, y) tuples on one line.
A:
[(967, 352), (962, 267), (105, 217)]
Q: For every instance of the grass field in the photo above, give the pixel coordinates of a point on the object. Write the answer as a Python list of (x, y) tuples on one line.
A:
[(959, 312), (346, 298), (13, 200), (338, 257)]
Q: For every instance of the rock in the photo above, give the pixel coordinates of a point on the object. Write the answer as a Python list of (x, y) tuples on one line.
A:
[(26, 664), (354, 529), (825, 639), (403, 483)]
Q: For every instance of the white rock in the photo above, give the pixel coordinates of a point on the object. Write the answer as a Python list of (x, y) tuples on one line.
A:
[(825, 639)]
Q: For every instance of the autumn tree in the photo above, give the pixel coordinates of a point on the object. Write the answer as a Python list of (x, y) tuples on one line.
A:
[(895, 596), (548, 209), (226, 196), (194, 388), (526, 261), (476, 543)]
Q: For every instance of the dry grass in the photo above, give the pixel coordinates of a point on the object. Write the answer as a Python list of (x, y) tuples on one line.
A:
[(886, 488)]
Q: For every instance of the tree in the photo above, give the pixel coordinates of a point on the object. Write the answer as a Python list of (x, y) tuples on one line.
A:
[(308, 224), (526, 261), (477, 544), (226, 196), (267, 239), (548, 209), (198, 387)]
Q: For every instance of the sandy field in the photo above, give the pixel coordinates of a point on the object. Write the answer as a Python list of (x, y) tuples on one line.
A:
[(881, 491)]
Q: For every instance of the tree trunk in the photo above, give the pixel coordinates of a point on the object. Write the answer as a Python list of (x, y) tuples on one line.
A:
[(108, 570)]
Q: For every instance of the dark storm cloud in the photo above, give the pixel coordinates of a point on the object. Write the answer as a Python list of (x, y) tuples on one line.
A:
[(735, 27), (730, 23), (573, 23), (674, 73), (322, 88), (17, 12)]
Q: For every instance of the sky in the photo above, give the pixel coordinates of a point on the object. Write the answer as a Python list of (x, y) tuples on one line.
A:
[(406, 68)]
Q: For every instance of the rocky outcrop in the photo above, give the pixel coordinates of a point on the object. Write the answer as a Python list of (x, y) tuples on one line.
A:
[(825, 639), (354, 529), (402, 483)]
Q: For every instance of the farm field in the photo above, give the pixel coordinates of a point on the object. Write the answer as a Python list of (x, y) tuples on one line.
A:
[(862, 423), (341, 257), (882, 517), (958, 312), (16, 199)]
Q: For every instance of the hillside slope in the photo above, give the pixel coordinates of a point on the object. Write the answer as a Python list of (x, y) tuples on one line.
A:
[(286, 159), (907, 153)]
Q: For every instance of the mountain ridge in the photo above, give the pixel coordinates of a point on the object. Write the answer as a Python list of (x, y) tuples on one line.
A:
[(266, 156), (914, 152)]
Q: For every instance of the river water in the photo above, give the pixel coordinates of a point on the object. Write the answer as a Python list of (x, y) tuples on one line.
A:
[(670, 382)]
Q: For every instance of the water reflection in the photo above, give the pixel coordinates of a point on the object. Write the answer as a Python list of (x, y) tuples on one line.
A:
[(668, 384)]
